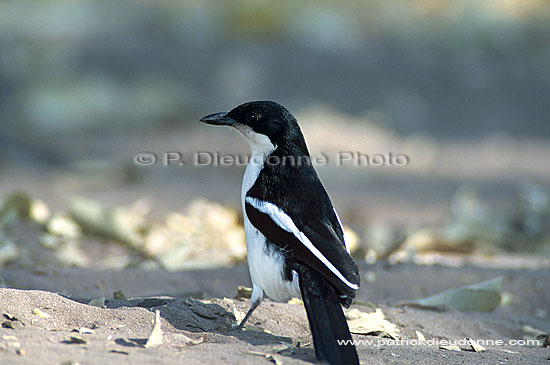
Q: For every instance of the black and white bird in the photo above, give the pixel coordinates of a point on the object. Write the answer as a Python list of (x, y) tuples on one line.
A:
[(294, 238)]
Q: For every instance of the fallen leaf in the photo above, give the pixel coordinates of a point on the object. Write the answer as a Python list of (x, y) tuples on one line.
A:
[(475, 346), (8, 324), (119, 295), (243, 292), (122, 224), (450, 347), (39, 211), (295, 301), (40, 313), (371, 324), (351, 238), (481, 297), (155, 338), (531, 331), (99, 302), (63, 226), (239, 316), (420, 336)]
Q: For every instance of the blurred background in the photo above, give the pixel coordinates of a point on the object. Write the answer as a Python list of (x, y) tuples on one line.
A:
[(460, 87)]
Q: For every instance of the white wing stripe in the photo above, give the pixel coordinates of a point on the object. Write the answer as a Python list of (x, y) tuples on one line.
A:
[(342, 228), (285, 222)]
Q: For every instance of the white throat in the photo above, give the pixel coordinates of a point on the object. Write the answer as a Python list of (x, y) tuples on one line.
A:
[(260, 144), (261, 147)]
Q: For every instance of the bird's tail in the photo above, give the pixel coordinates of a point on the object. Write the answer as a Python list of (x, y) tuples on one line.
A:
[(331, 337)]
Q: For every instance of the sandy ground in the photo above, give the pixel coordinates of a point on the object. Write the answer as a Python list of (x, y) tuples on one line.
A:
[(278, 331), (415, 196)]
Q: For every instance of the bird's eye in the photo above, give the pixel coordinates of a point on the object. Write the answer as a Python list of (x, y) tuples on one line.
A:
[(254, 117)]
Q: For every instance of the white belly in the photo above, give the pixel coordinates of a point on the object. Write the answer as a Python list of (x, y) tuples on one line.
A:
[(266, 269)]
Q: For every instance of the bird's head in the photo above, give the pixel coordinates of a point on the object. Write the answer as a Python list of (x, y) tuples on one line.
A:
[(265, 124)]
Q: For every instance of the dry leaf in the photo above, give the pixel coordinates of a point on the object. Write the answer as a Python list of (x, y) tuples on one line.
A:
[(450, 347), (481, 297), (371, 324), (39, 211), (8, 324), (351, 238), (122, 224), (62, 226), (475, 346), (532, 331), (239, 316), (243, 292), (420, 336), (99, 302), (295, 301), (119, 295), (40, 313), (155, 338)]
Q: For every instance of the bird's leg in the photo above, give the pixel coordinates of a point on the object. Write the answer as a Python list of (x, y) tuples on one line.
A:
[(252, 307), (255, 300)]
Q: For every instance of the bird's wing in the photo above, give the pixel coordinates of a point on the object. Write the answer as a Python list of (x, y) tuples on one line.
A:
[(338, 228), (317, 243)]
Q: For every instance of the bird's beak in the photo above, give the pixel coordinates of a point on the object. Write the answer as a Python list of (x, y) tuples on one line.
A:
[(218, 119)]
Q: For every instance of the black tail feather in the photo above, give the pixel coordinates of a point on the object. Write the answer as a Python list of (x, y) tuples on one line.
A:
[(326, 319)]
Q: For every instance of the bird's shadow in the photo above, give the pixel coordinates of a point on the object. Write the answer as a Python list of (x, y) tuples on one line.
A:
[(189, 314), (197, 316)]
